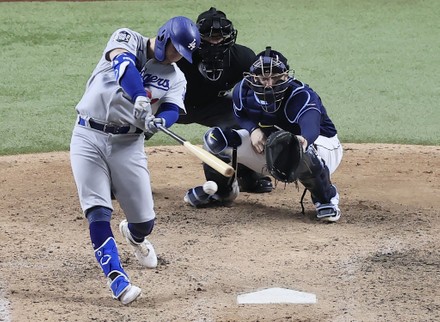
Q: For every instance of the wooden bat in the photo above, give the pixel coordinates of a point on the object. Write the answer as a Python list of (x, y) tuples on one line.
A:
[(208, 158)]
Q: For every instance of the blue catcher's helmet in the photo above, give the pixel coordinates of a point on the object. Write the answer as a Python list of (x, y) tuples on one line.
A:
[(183, 34), (269, 77)]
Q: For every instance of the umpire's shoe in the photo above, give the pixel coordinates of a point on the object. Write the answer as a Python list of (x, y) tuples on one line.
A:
[(251, 181), (143, 251), (260, 185)]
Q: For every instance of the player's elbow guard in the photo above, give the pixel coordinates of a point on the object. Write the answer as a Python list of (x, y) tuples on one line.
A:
[(120, 64), (127, 75)]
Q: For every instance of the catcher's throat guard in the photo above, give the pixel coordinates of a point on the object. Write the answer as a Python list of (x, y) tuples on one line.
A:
[(283, 153)]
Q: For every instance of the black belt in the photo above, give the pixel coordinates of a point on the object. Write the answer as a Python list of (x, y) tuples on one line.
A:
[(108, 128)]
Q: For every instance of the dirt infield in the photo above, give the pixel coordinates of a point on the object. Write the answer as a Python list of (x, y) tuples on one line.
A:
[(380, 262)]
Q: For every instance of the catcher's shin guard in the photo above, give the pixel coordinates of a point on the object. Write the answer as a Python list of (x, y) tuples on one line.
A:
[(196, 197), (220, 142), (108, 258), (224, 183), (228, 189), (315, 176)]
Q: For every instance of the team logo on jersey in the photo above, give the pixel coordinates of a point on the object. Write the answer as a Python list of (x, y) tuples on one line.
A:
[(192, 45), (156, 81), (123, 36)]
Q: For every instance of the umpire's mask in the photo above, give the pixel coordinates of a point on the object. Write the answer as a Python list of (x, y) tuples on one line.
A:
[(217, 37)]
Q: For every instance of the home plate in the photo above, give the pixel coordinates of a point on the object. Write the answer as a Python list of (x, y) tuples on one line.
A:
[(276, 295)]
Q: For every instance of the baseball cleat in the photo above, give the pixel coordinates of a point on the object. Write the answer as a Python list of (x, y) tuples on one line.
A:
[(328, 212), (143, 251), (131, 294), (123, 290)]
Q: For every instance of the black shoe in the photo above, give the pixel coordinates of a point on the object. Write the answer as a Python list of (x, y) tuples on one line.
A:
[(261, 185)]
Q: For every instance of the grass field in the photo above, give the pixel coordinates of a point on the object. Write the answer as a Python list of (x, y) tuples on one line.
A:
[(375, 64)]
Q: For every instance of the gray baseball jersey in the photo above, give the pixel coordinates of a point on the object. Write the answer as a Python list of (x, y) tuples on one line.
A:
[(105, 101), (104, 162)]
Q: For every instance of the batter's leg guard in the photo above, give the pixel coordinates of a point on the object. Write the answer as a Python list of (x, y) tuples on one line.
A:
[(315, 176), (120, 286)]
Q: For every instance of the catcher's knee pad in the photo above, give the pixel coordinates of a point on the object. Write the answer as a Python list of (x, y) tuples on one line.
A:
[(217, 140), (140, 230), (98, 213), (315, 176)]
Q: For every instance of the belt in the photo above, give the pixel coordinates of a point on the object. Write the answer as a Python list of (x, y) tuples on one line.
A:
[(108, 128)]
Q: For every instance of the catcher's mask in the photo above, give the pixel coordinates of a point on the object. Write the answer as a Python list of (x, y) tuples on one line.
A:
[(217, 36), (182, 33), (269, 77)]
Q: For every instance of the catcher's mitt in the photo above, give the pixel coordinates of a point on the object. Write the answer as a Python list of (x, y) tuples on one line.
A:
[(283, 155)]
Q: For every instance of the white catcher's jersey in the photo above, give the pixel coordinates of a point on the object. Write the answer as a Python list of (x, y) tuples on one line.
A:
[(106, 102)]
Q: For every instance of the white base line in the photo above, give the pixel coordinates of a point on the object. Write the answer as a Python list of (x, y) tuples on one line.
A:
[(4, 309)]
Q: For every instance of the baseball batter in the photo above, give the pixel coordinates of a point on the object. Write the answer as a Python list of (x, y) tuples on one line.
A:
[(135, 88)]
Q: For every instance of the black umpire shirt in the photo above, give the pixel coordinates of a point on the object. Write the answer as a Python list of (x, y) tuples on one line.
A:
[(201, 91)]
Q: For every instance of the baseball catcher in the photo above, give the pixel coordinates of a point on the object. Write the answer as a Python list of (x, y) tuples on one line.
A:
[(285, 132)]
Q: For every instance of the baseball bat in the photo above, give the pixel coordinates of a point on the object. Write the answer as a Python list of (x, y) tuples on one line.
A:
[(208, 158)]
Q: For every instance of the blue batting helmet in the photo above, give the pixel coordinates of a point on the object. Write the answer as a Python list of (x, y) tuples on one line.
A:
[(183, 34)]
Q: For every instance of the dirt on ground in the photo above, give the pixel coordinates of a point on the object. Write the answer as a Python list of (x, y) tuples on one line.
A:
[(380, 262)]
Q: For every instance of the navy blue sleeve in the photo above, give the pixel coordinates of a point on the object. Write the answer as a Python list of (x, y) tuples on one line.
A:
[(169, 112), (240, 111), (310, 123)]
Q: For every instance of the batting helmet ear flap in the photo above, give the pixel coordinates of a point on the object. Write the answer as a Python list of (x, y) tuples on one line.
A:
[(161, 43)]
